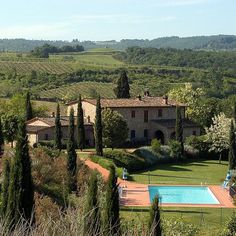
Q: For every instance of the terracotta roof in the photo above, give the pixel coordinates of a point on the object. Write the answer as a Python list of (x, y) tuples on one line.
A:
[(134, 102), (35, 129), (50, 121), (170, 123)]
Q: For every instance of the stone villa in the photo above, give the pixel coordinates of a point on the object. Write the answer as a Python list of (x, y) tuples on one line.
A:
[(147, 117)]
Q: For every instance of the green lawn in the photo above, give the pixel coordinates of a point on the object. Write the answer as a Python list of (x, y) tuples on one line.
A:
[(202, 171), (209, 220)]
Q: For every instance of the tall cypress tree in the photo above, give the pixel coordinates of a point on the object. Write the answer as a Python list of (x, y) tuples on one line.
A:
[(1, 136), (92, 220), (5, 186), (112, 215), (28, 107), (57, 131), (80, 125), (179, 129), (72, 156), (21, 192), (232, 148), (234, 112), (155, 219), (98, 129), (122, 89)]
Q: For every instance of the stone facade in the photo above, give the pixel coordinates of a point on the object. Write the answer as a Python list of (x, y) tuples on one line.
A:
[(147, 118)]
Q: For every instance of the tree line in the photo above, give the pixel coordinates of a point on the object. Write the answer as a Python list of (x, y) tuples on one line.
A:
[(46, 49)]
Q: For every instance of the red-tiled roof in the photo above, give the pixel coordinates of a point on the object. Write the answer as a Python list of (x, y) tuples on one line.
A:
[(50, 121), (134, 102)]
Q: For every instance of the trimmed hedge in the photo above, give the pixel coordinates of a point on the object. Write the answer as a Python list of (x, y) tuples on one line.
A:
[(126, 160), (106, 163)]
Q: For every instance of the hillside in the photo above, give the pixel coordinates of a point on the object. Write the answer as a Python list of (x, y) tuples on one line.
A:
[(214, 42), (64, 75)]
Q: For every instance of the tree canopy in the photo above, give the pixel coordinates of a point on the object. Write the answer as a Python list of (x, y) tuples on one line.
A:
[(115, 129)]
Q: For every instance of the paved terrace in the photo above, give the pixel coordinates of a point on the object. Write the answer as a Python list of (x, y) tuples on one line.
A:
[(135, 194)]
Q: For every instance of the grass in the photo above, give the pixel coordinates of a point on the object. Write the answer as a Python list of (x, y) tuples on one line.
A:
[(197, 172), (209, 220)]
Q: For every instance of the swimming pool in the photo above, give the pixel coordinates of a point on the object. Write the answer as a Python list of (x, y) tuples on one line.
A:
[(183, 194)]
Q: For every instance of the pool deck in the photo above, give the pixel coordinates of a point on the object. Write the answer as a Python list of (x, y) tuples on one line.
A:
[(135, 194)]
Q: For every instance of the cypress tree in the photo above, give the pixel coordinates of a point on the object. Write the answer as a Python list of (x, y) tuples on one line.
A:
[(179, 129), (112, 215), (122, 89), (72, 156), (232, 148), (234, 113), (28, 107), (80, 125), (5, 186), (1, 137), (21, 193), (92, 220), (155, 219), (57, 131), (98, 128)]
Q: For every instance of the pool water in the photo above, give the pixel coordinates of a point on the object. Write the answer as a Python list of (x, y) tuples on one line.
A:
[(183, 194)]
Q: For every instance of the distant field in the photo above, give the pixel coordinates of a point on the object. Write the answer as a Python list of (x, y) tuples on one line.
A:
[(87, 89), (57, 63)]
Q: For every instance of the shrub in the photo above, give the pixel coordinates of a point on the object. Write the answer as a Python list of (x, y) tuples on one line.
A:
[(199, 144), (173, 227), (156, 145), (175, 149), (126, 160), (230, 229), (106, 163), (191, 152)]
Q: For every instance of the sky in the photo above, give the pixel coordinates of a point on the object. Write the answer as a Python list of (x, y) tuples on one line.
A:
[(115, 19)]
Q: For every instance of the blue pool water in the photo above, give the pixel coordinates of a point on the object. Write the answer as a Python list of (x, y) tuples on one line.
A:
[(183, 194)]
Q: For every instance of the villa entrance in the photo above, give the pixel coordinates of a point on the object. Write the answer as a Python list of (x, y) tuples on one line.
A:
[(160, 136)]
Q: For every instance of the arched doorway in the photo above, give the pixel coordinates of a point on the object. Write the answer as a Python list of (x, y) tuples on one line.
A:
[(172, 136), (160, 136)]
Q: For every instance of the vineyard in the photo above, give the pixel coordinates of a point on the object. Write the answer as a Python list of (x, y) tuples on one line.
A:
[(57, 63), (86, 89)]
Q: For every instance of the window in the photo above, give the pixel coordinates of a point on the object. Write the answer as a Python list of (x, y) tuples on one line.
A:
[(46, 136), (159, 112), (132, 114), (145, 116), (132, 134), (145, 133), (194, 133)]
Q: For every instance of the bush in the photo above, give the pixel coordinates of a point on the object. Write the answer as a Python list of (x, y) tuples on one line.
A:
[(106, 163), (125, 160), (152, 158), (175, 149), (173, 227), (230, 229), (201, 147), (191, 152), (156, 145)]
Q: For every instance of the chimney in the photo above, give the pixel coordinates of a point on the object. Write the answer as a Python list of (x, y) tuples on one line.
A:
[(165, 99), (53, 114), (139, 97)]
